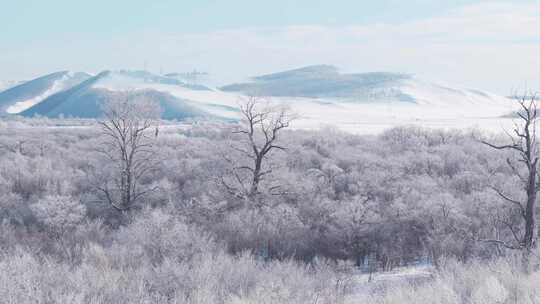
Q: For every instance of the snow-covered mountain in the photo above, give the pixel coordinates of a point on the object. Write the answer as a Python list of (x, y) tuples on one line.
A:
[(23, 96), (320, 95), (84, 99), (326, 82), (372, 102)]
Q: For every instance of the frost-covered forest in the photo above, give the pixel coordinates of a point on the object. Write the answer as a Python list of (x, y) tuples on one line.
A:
[(129, 209)]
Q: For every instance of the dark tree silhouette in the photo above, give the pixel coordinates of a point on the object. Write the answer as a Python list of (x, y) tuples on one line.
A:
[(524, 145), (261, 128)]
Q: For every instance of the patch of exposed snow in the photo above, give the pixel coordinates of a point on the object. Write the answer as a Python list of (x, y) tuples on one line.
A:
[(402, 274), (365, 285)]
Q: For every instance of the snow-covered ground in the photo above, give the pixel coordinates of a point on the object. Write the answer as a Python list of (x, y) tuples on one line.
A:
[(401, 274), (374, 118), (366, 285)]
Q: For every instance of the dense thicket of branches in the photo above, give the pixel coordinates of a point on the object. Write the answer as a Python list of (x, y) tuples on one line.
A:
[(405, 195)]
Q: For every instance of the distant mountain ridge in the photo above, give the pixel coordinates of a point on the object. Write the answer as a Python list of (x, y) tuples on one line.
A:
[(324, 81), (81, 95)]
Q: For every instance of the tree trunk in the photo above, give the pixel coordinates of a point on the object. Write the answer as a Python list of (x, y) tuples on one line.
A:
[(256, 177), (529, 237)]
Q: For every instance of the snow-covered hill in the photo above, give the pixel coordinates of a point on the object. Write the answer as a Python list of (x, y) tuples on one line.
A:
[(23, 96), (84, 100), (372, 102), (326, 82), (214, 102), (319, 95)]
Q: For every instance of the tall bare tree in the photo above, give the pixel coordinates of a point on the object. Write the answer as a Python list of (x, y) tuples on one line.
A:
[(129, 127), (261, 128), (523, 143)]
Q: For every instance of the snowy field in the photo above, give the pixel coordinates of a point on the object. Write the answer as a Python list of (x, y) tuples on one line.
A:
[(375, 118), (365, 284)]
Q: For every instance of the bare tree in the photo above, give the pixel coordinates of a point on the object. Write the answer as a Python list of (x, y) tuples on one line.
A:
[(261, 127), (524, 145), (128, 130)]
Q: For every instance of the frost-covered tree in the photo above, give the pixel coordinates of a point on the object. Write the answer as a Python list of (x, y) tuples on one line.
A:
[(523, 143), (59, 213), (260, 130), (129, 128)]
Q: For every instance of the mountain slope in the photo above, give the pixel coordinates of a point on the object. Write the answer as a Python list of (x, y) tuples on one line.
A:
[(323, 81), (77, 101), (85, 100), (28, 94), (326, 82)]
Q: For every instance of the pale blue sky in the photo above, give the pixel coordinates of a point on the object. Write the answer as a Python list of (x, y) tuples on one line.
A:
[(476, 43), (30, 19)]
